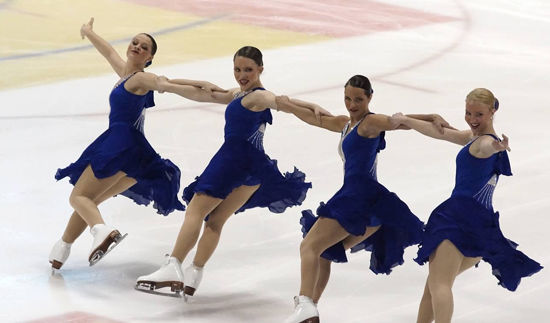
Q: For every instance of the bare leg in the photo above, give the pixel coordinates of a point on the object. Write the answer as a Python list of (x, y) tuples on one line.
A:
[(88, 188), (351, 240), (324, 233), (200, 206), (324, 265), (322, 279), (425, 310), (77, 225), (74, 228), (217, 218)]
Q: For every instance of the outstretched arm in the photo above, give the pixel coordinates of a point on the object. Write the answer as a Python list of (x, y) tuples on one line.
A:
[(317, 109), (311, 113), (428, 129), (103, 47), (194, 92), (486, 146), (435, 119), (200, 84)]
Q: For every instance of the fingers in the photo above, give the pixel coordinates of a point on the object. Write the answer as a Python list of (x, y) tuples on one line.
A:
[(89, 25), (282, 98), (505, 142), (439, 127), (317, 115), (395, 119)]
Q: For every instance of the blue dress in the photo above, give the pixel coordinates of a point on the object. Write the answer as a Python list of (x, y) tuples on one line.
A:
[(363, 202), (241, 160), (467, 220), (123, 147)]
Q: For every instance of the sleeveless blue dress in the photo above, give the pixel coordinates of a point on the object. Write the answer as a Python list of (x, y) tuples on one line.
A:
[(241, 160), (468, 220), (123, 147), (363, 202)]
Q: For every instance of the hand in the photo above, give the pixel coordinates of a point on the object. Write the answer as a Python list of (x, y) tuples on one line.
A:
[(440, 123), (207, 86), (397, 119), (319, 112), (161, 81), (281, 101), (502, 145), (86, 28)]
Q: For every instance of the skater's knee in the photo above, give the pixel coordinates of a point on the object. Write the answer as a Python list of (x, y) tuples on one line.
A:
[(214, 226), (75, 200), (438, 290), (216, 221), (194, 218), (308, 248)]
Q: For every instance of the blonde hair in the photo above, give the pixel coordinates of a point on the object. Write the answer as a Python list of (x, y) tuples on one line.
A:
[(482, 95)]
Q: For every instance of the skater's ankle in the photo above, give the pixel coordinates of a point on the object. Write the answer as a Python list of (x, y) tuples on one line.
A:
[(304, 298), (66, 241), (180, 260), (96, 226), (195, 266)]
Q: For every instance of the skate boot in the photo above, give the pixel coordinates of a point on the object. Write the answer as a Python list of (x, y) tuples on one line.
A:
[(59, 254), (169, 275), (193, 276), (105, 239), (304, 311)]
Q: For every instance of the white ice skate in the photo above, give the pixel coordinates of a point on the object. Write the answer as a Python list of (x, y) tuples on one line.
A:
[(59, 254), (193, 277), (169, 275), (305, 311), (105, 239)]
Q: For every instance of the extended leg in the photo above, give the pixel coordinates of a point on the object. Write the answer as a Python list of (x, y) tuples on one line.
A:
[(217, 218), (324, 265), (77, 225), (445, 265)]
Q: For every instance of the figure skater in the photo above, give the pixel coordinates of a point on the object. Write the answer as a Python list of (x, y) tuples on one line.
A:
[(465, 229), (120, 160), (240, 176), (363, 214)]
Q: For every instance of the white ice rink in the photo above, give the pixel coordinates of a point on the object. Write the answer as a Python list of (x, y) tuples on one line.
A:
[(501, 45)]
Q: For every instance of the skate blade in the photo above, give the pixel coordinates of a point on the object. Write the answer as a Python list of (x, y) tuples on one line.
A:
[(151, 289), (99, 254), (56, 264), (311, 320), (188, 290)]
